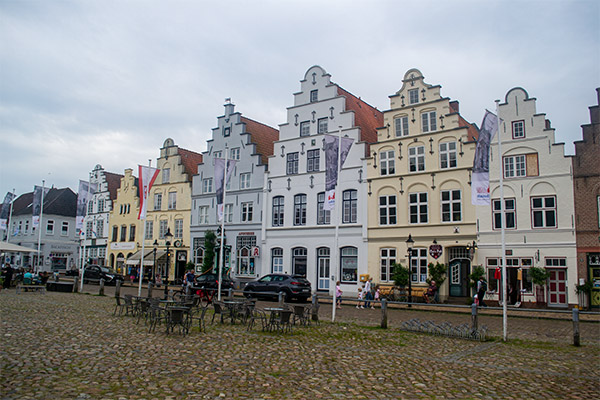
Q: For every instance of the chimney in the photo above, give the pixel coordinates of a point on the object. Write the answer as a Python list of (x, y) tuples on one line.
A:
[(229, 106), (548, 125), (454, 106)]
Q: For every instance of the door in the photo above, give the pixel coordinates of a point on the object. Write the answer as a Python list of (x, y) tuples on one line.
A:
[(458, 274), (299, 261), (323, 263), (557, 288)]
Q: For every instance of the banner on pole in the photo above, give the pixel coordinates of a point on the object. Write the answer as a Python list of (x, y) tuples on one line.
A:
[(480, 180), (83, 196), (332, 147), (37, 205), (4, 211), (147, 176), (221, 180)]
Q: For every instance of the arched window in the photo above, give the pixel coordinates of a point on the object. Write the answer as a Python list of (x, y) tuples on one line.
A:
[(277, 260), (299, 261), (349, 264)]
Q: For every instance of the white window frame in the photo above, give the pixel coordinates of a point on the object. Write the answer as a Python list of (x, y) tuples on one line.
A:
[(322, 125), (418, 268), (350, 206), (203, 215), (50, 227), (429, 121), (305, 128), (228, 212), (234, 153), (166, 175), (207, 184), (163, 227), (149, 230), (388, 211), (387, 162), (448, 157), (515, 166), (172, 200), (413, 96), (300, 201), (157, 201), (64, 231), (291, 165), (387, 258), (416, 158), (544, 211), (277, 260), (454, 205), (510, 208), (518, 129), (415, 208), (247, 209), (323, 216), (313, 160), (245, 180), (278, 211), (401, 126), (178, 234)]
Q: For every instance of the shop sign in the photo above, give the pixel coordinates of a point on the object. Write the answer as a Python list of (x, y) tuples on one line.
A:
[(435, 251)]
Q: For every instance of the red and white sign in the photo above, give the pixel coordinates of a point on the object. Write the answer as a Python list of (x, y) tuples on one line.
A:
[(435, 250), (255, 251)]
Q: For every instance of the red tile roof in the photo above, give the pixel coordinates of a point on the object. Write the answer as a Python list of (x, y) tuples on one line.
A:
[(262, 136), (190, 160), (366, 117), (114, 182)]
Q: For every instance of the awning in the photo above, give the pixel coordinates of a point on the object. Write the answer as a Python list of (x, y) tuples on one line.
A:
[(5, 246), (134, 259)]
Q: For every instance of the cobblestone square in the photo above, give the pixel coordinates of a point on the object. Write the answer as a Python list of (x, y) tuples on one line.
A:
[(70, 346)]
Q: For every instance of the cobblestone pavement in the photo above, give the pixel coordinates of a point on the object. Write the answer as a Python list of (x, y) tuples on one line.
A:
[(70, 346)]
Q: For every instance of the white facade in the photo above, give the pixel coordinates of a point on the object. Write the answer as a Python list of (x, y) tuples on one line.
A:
[(298, 236), (538, 194), (249, 143)]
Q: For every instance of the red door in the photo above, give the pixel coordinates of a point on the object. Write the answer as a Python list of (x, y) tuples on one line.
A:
[(557, 288)]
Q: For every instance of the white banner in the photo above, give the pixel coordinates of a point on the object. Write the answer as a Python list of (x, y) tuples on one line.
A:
[(480, 180), (331, 166), (221, 181), (147, 176), (86, 190), (5, 209)]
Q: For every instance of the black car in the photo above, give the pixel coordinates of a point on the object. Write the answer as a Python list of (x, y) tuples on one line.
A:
[(93, 273), (211, 281), (270, 285)]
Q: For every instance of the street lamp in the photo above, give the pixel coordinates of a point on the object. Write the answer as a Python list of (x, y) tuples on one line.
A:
[(471, 247), (409, 244), (168, 237), (155, 245)]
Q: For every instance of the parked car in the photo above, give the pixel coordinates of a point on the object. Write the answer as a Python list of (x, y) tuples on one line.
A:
[(211, 281), (292, 286), (93, 273), (72, 272)]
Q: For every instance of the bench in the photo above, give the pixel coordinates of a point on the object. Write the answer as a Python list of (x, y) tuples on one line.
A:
[(417, 292), (31, 288)]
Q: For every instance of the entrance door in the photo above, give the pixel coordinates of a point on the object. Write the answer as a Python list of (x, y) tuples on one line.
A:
[(557, 288), (458, 273), (299, 261), (323, 268)]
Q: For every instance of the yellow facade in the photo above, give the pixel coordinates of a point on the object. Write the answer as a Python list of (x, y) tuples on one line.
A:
[(125, 230), (420, 167)]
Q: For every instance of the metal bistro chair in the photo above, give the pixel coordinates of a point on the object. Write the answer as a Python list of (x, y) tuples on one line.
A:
[(119, 305), (198, 313), (283, 321), (258, 315), (178, 316), (129, 307), (301, 314), (220, 309), (156, 314)]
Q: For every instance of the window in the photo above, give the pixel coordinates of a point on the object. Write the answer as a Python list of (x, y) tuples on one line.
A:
[(322, 125), (418, 208), (518, 129), (349, 264), (234, 154), (226, 131), (172, 200), (387, 210), (27, 221), (228, 213), (90, 207), (178, 229), (387, 162), (123, 233), (300, 209), (413, 96), (100, 228), (157, 201), (299, 261), (218, 154), (419, 266), (101, 205), (247, 212), (278, 210), (387, 259), (245, 261), (245, 180), (429, 121), (448, 155), (556, 262), (162, 228), (525, 284), (509, 210), (305, 128), (149, 230), (203, 215), (277, 260), (207, 185), (115, 233), (416, 158), (323, 268), (349, 206), (401, 125), (199, 251), (451, 206), (314, 94), (543, 212), (49, 227), (323, 216), (514, 166), (312, 160), (166, 175), (64, 230), (132, 233), (89, 229), (292, 163)]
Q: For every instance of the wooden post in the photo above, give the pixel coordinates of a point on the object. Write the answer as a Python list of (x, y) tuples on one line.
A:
[(315, 308), (101, 290), (576, 338), (75, 284), (384, 316), (150, 287), (474, 317), (118, 288), (280, 299)]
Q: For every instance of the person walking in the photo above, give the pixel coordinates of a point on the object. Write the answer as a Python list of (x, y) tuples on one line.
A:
[(368, 294), (360, 297), (8, 273), (338, 294), (481, 289)]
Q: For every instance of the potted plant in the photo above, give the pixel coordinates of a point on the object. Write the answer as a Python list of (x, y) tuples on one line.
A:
[(539, 276), (585, 289)]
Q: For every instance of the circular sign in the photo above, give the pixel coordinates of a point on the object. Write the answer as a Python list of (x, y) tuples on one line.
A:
[(435, 250), (177, 243)]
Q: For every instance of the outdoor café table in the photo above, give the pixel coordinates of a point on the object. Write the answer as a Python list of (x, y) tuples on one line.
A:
[(178, 316), (273, 315), (234, 307)]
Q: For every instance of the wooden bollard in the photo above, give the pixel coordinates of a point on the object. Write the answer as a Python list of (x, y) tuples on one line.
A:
[(75, 284), (118, 288), (474, 324), (315, 308), (384, 316), (576, 338), (101, 290), (150, 287)]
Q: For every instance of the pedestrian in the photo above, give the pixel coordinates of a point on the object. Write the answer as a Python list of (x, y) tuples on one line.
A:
[(338, 294), (8, 273), (368, 293), (189, 278), (360, 297), (481, 289), (377, 293)]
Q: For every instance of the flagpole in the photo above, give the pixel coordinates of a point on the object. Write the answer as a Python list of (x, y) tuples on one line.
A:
[(337, 211), (85, 236), (40, 227), (502, 228), (10, 219), (221, 252), (145, 194)]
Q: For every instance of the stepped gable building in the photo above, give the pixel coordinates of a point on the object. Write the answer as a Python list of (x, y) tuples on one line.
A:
[(249, 143), (125, 228), (298, 233), (419, 186), (586, 179), (59, 245), (169, 210), (539, 207), (96, 221)]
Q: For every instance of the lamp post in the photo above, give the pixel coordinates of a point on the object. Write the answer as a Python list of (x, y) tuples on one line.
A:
[(168, 237), (471, 247), (409, 244), (155, 245)]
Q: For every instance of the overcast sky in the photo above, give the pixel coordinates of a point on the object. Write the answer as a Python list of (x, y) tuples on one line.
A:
[(106, 82)]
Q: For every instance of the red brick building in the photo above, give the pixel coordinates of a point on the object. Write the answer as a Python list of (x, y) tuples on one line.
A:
[(586, 181)]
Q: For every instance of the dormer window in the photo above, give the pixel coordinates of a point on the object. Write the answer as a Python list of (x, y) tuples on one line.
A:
[(314, 96), (518, 129), (413, 96)]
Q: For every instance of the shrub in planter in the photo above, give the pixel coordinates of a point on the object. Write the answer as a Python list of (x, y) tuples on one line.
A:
[(539, 276)]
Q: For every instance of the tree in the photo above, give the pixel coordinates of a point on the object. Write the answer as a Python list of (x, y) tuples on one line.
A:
[(400, 275), (437, 273), (210, 242), (477, 273), (539, 276)]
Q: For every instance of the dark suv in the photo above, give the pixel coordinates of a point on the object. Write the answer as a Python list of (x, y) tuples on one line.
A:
[(270, 285), (210, 281), (93, 273)]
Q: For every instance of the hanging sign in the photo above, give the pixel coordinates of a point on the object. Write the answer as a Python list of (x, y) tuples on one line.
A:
[(435, 250)]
